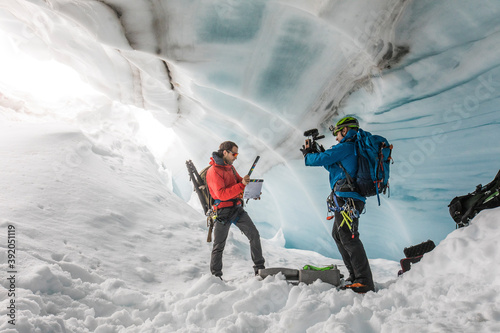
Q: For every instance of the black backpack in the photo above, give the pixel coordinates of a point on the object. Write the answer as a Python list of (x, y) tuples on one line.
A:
[(465, 207), (414, 254)]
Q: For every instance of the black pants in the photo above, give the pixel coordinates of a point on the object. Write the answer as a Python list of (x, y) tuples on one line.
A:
[(221, 230), (350, 247)]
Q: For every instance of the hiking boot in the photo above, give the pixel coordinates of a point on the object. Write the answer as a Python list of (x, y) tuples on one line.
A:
[(359, 288), (351, 279)]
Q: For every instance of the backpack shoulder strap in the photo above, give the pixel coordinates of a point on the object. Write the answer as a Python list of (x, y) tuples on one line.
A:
[(350, 181), (234, 172)]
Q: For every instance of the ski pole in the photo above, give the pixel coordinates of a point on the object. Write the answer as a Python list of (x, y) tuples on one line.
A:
[(253, 165)]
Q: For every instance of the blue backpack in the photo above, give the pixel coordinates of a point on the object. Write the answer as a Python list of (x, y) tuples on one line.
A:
[(374, 159)]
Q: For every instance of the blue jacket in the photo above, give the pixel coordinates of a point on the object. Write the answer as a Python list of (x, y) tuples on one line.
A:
[(345, 152)]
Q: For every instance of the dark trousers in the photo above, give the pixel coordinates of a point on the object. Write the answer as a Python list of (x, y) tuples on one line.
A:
[(221, 231), (351, 248)]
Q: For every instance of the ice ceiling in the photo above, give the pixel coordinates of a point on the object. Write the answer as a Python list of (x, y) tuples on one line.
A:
[(424, 74)]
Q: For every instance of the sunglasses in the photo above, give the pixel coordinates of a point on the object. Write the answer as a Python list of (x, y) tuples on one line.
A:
[(234, 154)]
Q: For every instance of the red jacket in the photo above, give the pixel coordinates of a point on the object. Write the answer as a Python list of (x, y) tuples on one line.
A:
[(224, 183)]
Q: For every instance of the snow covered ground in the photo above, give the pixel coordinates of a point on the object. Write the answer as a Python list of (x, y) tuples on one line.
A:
[(102, 245)]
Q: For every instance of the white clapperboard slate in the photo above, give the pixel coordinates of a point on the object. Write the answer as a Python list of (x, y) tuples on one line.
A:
[(253, 189)]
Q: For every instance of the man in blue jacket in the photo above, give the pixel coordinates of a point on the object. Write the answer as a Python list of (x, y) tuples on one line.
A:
[(347, 202)]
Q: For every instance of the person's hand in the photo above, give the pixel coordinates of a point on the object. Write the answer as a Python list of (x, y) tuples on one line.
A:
[(245, 180), (306, 149)]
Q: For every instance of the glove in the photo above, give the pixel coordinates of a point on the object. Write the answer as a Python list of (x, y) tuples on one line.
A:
[(306, 151)]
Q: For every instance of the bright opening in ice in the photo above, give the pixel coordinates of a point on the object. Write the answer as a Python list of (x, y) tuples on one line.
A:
[(29, 76)]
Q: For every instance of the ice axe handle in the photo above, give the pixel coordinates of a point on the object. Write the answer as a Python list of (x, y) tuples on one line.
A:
[(253, 165)]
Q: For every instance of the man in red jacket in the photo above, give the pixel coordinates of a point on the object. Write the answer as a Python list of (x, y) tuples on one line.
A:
[(226, 187)]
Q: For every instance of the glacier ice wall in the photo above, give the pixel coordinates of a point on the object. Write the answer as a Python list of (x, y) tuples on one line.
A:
[(422, 73)]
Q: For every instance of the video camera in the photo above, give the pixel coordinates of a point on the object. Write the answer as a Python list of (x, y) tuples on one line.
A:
[(311, 142)]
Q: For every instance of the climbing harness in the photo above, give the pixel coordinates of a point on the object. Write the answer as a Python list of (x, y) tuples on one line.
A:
[(347, 210)]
